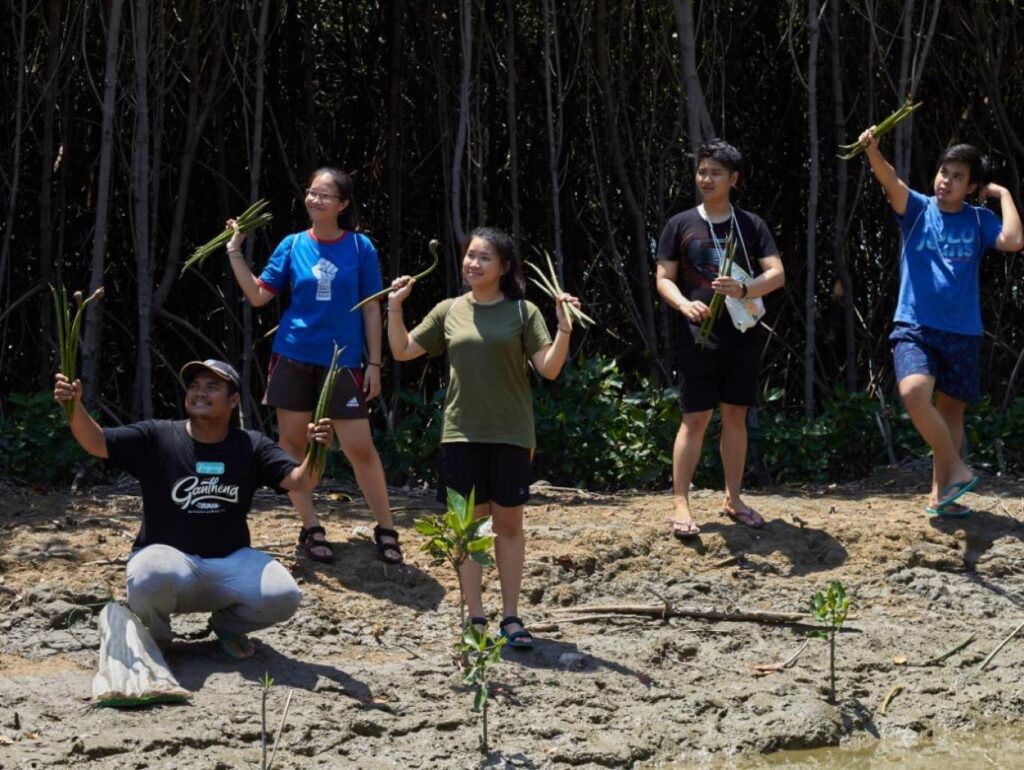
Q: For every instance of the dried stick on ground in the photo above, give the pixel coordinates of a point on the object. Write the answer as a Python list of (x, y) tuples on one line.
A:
[(950, 652), (553, 625), (888, 698), (673, 612), (1002, 644)]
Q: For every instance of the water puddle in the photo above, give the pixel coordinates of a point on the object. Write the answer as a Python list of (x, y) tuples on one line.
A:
[(997, 748)]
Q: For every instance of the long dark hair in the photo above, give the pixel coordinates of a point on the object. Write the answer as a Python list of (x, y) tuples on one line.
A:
[(512, 283), (349, 218)]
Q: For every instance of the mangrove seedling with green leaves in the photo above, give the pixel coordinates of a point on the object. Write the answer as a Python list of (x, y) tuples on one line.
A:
[(69, 333), (433, 246), (265, 686), (830, 609), (704, 333), (457, 536), (317, 452), (252, 218), (481, 651), (549, 285), (907, 109)]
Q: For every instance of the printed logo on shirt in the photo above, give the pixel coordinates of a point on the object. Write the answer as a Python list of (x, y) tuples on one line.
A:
[(953, 244), (210, 469), (203, 495), (352, 402), (324, 272)]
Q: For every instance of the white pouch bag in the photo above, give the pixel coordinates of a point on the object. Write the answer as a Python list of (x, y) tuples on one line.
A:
[(745, 312), (132, 669)]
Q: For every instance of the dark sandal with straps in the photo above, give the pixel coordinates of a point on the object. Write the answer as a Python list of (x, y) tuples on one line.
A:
[(308, 543), (477, 620), (517, 640), (383, 548)]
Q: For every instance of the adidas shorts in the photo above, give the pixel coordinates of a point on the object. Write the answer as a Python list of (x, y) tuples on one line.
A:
[(295, 386)]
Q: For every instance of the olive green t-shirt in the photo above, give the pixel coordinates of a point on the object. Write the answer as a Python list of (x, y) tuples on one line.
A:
[(489, 398)]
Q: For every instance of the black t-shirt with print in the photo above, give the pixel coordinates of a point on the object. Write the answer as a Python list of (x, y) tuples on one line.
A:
[(195, 496), (687, 239)]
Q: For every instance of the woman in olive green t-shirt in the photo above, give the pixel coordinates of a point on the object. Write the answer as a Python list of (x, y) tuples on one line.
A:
[(490, 333)]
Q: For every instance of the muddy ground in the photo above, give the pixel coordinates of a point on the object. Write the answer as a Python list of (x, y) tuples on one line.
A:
[(368, 655)]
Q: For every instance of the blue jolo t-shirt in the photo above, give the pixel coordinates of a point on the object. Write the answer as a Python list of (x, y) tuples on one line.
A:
[(326, 279), (940, 262)]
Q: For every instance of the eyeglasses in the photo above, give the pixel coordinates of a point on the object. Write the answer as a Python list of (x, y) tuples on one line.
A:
[(320, 197)]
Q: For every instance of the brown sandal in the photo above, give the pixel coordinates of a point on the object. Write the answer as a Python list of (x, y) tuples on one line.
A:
[(307, 543)]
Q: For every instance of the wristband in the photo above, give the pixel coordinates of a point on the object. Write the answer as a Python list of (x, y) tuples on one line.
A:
[(373, 363), (743, 286), (565, 331)]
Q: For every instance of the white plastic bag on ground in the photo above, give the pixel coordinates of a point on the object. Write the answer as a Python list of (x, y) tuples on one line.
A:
[(133, 671)]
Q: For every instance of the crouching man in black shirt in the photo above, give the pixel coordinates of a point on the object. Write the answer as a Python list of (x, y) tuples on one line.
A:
[(198, 477)]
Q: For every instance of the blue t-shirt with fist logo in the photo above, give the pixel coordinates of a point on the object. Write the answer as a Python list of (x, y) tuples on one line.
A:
[(326, 279)]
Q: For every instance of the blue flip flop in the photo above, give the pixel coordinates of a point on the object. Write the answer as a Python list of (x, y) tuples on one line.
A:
[(949, 511), (955, 491), (246, 648)]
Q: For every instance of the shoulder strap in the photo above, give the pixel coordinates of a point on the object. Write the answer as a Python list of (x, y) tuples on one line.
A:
[(743, 243), (912, 228)]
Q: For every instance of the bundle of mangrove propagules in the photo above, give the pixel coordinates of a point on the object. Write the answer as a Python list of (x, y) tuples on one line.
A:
[(549, 285), (433, 246), (69, 333), (316, 453), (883, 128), (252, 218), (725, 268)]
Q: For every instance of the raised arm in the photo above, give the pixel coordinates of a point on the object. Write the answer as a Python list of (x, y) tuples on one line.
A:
[(402, 346), (896, 189), (1011, 237), (549, 360), (256, 294), (85, 429)]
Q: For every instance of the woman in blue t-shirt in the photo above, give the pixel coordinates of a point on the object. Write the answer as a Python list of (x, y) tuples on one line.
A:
[(328, 269)]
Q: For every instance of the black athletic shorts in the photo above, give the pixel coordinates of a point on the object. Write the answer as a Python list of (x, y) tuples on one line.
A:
[(295, 386), (726, 373), (497, 472)]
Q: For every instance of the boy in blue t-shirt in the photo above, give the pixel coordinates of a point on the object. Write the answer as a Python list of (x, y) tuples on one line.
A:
[(937, 336)]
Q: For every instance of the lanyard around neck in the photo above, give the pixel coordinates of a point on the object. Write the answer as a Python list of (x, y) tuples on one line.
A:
[(734, 227)]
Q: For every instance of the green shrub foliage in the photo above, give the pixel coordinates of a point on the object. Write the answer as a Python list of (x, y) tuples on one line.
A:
[(598, 429), (36, 446)]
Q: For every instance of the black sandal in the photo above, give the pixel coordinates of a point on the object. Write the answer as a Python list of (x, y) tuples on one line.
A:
[(383, 548), (307, 543), (517, 640)]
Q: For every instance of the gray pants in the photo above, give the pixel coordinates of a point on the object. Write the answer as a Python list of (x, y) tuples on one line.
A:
[(245, 591)]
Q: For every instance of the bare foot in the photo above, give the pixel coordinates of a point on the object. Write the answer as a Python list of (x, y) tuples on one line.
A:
[(684, 528)]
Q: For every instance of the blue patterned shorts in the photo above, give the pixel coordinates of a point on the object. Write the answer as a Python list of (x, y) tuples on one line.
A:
[(952, 359)]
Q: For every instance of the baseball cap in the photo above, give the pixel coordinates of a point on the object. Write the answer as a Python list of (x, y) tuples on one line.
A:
[(221, 369)]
